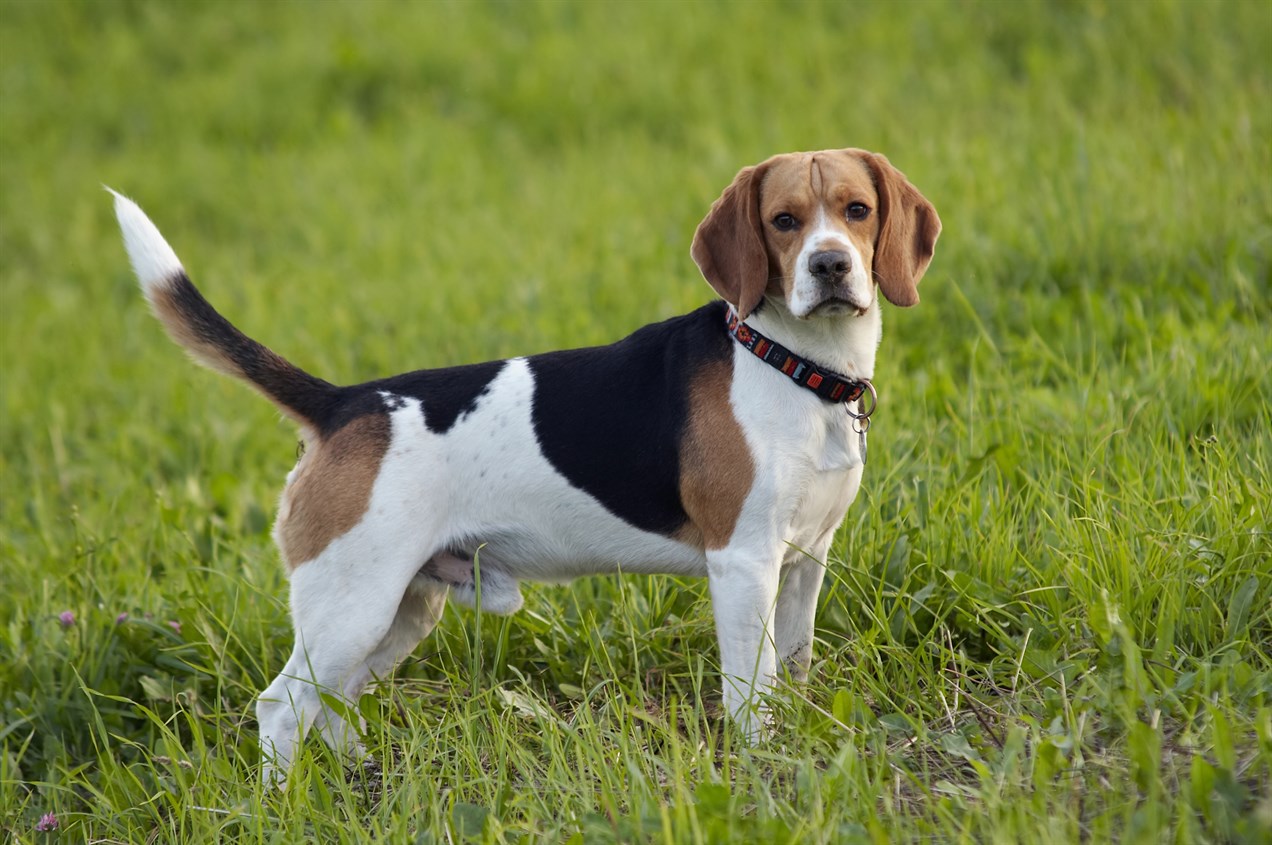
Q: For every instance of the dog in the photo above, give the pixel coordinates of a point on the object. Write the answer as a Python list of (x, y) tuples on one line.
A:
[(728, 443)]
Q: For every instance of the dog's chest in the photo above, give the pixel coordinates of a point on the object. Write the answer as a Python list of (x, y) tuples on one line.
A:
[(842, 446), (808, 453), (832, 476)]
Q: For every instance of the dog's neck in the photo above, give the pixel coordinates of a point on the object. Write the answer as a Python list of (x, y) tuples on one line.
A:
[(846, 344)]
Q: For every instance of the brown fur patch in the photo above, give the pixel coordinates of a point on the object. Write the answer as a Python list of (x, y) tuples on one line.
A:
[(908, 231), (716, 467), (171, 304), (331, 488)]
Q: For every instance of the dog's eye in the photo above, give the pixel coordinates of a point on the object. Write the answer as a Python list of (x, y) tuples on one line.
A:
[(857, 211), (785, 222)]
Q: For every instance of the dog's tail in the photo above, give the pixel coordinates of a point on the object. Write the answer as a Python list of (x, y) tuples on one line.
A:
[(210, 338)]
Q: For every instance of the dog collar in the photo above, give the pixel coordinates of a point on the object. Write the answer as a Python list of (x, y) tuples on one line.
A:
[(826, 383)]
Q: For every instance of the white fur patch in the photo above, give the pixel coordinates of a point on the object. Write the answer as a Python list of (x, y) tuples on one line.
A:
[(152, 259), (807, 293)]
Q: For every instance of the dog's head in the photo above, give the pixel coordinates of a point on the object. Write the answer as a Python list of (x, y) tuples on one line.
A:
[(816, 231)]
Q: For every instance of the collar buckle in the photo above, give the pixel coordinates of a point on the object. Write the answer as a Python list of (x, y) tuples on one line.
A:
[(863, 413)]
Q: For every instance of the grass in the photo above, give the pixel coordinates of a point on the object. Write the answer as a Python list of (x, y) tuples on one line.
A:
[(1048, 616)]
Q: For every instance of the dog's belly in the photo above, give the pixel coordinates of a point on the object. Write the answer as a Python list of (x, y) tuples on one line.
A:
[(528, 553), (485, 487)]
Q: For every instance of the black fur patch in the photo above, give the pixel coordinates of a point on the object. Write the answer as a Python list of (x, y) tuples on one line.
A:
[(447, 394), (610, 418), (309, 396)]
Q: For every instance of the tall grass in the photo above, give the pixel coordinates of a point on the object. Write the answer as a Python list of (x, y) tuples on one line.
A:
[(1049, 614)]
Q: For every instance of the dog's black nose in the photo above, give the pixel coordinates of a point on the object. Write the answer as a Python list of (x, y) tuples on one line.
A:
[(830, 265)]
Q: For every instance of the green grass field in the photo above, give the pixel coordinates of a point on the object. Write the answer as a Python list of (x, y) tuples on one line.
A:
[(1049, 615)]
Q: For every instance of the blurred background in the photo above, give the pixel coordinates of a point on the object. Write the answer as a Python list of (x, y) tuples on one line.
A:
[(532, 171)]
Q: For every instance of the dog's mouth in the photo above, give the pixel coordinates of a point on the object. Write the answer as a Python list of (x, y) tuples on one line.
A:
[(838, 306)]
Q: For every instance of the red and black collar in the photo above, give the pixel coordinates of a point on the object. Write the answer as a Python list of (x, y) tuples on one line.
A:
[(826, 383)]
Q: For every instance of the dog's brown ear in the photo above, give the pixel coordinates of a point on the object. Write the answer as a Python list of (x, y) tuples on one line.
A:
[(729, 244), (908, 229)]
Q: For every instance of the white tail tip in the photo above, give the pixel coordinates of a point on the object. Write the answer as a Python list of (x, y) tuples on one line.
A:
[(152, 259)]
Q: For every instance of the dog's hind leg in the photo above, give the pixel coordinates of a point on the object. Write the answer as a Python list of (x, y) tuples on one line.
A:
[(345, 609), (418, 613), (350, 606)]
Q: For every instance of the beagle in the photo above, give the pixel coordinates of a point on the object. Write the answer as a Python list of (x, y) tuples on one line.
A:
[(726, 443)]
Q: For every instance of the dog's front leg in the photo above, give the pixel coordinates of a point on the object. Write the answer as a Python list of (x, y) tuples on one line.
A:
[(744, 596), (797, 610)]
